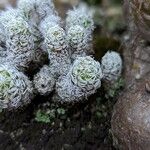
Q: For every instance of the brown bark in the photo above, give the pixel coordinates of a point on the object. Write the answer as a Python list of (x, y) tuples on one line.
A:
[(131, 116)]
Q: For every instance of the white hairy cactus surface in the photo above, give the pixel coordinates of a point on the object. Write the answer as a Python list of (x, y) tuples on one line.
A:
[(80, 16), (55, 39), (111, 66), (56, 45), (27, 8), (78, 41), (44, 81), (83, 79), (19, 42), (6, 16), (86, 73), (48, 22), (15, 88), (35, 10)]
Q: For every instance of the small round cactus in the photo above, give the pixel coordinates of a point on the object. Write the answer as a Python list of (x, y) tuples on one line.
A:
[(111, 66), (86, 73), (83, 79), (15, 88), (55, 39), (44, 81)]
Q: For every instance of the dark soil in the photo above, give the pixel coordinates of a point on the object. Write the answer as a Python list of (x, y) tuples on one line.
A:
[(85, 127)]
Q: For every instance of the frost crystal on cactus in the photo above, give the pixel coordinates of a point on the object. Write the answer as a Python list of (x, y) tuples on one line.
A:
[(15, 88), (44, 81), (111, 66), (80, 16), (83, 79)]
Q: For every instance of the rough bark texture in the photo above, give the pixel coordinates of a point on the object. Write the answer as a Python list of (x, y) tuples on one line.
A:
[(131, 117)]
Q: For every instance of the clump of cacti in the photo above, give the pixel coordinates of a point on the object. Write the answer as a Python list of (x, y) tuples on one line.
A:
[(33, 29)]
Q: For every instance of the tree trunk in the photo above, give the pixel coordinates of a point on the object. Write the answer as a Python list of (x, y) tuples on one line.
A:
[(131, 116)]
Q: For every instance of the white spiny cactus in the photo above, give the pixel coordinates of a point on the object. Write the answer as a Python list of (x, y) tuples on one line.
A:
[(45, 8), (27, 8), (56, 45), (86, 73), (44, 81), (7, 15), (83, 79), (55, 39), (111, 66), (35, 10), (32, 32), (15, 88), (80, 16), (78, 41), (19, 42), (48, 22)]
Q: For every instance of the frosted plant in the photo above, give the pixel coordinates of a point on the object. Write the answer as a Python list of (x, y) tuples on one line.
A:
[(19, 42), (6, 16), (111, 66), (27, 8), (48, 22), (15, 88), (78, 41), (80, 16), (32, 32), (55, 39), (83, 79), (45, 8), (44, 81), (56, 45), (80, 23), (35, 10)]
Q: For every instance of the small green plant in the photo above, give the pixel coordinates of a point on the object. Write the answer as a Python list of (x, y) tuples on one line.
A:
[(50, 114), (115, 88), (44, 117)]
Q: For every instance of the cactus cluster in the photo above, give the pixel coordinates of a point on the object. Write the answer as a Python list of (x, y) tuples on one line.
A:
[(34, 29)]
